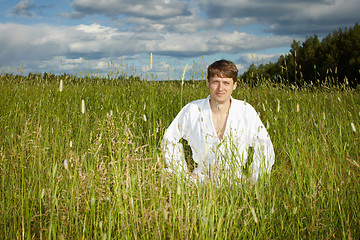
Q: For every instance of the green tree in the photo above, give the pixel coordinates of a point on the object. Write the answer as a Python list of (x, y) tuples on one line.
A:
[(335, 60)]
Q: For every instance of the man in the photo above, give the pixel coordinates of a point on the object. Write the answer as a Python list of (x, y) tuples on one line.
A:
[(220, 131)]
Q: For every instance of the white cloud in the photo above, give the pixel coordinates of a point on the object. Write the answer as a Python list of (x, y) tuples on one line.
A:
[(23, 9), (74, 15), (155, 9), (93, 46), (288, 17), (239, 42), (98, 39), (255, 58)]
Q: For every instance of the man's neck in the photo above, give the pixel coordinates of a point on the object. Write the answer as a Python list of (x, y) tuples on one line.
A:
[(220, 108)]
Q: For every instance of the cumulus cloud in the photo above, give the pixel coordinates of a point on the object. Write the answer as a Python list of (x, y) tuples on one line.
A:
[(177, 24), (28, 9), (152, 9), (23, 9), (109, 41), (74, 15), (240, 42), (256, 58), (171, 29), (45, 43), (288, 17)]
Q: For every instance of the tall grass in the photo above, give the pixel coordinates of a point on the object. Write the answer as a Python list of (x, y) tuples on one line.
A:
[(98, 174)]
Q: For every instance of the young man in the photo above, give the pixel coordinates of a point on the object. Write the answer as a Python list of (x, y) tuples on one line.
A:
[(220, 131)]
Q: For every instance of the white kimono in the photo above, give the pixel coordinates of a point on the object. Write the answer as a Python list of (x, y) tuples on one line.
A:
[(214, 158)]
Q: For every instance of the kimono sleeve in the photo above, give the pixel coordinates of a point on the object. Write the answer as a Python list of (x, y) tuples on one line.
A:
[(173, 151), (264, 156)]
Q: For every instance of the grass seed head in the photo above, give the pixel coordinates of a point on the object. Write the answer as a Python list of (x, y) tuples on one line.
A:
[(66, 164), (178, 189), (83, 106), (61, 86), (254, 214), (151, 62), (353, 127)]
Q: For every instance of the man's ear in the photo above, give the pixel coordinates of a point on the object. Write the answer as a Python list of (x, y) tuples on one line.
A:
[(235, 84), (207, 82)]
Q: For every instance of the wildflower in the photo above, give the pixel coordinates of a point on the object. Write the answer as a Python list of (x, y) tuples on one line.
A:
[(278, 105), (83, 106), (297, 107), (71, 143), (61, 85), (353, 127), (144, 117), (263, 107)]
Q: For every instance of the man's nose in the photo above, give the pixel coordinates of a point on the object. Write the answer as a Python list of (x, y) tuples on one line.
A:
[(221, 85)]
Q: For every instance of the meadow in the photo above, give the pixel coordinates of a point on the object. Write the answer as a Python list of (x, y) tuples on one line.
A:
[(80, 158)]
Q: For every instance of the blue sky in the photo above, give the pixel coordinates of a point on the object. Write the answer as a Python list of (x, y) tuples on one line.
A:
[(102, 36)]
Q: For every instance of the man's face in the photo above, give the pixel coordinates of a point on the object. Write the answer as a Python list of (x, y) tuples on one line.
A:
[(220, 88)]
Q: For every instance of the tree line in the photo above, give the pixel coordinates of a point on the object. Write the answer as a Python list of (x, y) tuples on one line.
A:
[(333, 61)]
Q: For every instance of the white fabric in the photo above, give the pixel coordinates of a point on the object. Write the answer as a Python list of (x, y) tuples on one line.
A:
[(217, 158)]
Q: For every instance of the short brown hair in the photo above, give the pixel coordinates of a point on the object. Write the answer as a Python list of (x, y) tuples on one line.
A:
[(223, 69)]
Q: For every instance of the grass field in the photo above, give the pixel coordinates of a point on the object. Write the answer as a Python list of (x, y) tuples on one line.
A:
[(83, 162)]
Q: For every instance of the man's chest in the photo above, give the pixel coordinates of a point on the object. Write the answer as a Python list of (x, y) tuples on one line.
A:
[(219, 124), (213, 130)]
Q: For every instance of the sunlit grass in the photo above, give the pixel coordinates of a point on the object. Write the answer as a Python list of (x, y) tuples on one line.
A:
[(78, 160)]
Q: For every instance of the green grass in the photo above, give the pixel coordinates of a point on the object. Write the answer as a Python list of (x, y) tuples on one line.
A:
[(112, 186)]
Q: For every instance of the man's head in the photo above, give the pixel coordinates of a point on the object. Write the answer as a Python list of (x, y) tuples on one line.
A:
[(222, 69), (221, 81)]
